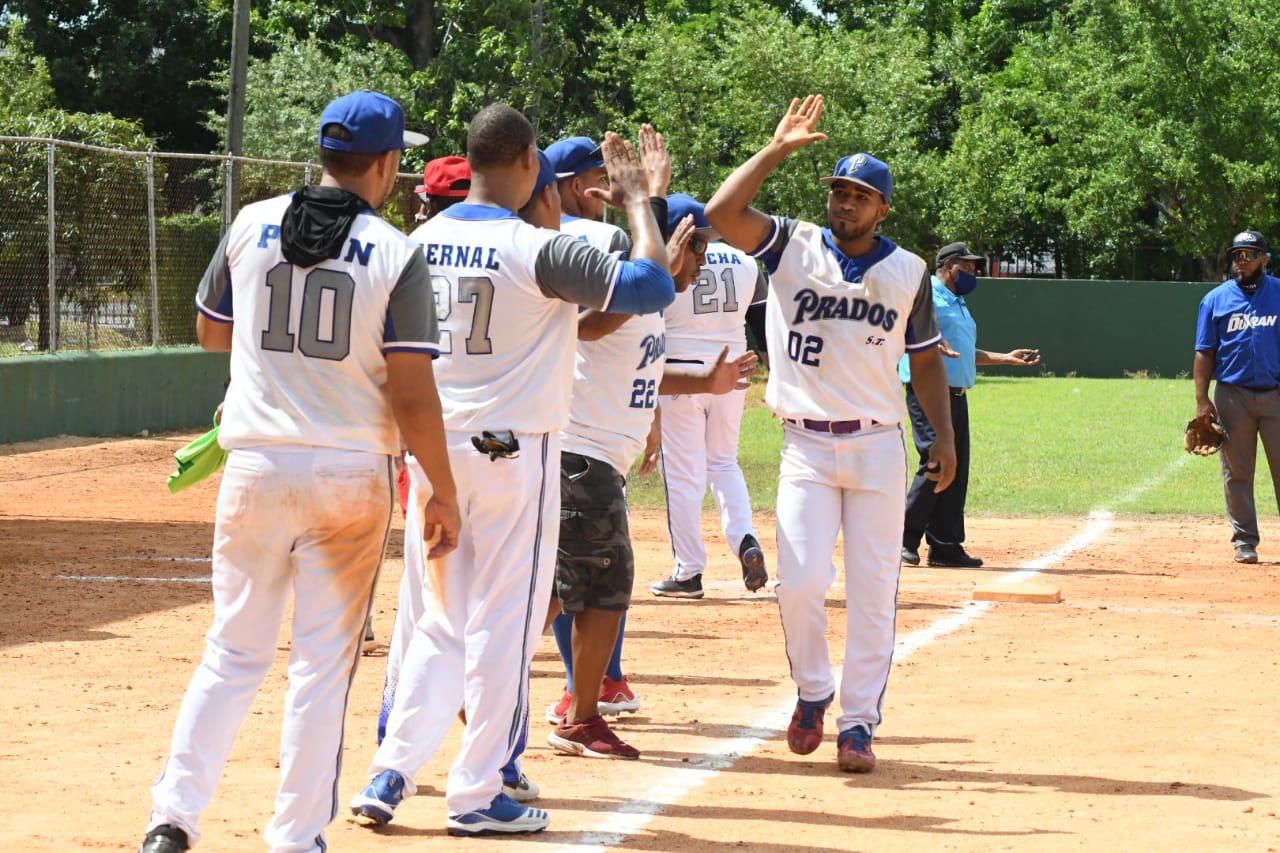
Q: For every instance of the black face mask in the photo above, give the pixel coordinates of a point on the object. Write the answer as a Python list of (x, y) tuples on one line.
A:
[(1251, 284), (317, 222)]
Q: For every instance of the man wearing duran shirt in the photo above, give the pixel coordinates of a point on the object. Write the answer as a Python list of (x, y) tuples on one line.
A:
[(1238, 344)]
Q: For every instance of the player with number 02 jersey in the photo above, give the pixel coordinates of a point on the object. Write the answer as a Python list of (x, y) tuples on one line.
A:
[(844, 304)]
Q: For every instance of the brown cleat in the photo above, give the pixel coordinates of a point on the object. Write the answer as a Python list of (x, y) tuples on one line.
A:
[(854, 751), (591, 738)]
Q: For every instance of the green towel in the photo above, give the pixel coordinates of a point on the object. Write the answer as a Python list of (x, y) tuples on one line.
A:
[(196, 461)]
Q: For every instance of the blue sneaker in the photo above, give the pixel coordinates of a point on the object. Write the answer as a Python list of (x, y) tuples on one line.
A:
[(853, 751), (503, 815), (378, 801)]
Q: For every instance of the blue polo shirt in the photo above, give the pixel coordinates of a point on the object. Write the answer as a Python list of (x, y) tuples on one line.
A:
[(1242, 332), (960, 331)]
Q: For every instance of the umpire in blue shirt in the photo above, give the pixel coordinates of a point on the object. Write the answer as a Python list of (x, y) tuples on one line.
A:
[(939, 516), (1238, 344)]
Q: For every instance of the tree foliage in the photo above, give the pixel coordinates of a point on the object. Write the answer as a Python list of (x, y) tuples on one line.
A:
[(1110, 139)]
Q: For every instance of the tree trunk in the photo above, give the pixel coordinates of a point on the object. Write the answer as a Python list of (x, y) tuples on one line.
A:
[(420, 26)]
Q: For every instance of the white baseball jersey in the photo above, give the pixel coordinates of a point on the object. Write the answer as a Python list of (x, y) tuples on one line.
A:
[(604, 236), (837, 326), (307, 363), (712, 313), (615, 390), (506, 300)]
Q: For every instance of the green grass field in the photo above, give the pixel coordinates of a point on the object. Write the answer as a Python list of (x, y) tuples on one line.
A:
[(1046, 446)]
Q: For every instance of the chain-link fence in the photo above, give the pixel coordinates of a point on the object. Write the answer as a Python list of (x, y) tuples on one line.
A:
[(102, 248)]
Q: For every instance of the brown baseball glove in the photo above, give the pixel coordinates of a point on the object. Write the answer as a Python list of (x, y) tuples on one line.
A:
[(1203, 438)]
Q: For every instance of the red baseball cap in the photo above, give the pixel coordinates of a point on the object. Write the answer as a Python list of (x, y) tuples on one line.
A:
[(446, 176)]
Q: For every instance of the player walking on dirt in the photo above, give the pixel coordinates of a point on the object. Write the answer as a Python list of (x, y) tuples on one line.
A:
[(843, 305)]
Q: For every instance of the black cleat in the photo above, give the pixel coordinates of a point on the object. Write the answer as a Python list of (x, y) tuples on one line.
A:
[(953, 558), (672, 588), (164, 839), (911, 556), (754, 573)]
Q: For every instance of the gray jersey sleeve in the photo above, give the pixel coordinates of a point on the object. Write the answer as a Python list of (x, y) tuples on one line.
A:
[(762, 287), (922, 326), (411, 310), (213, 296), (574, 271), (770, 251), (620, 242)]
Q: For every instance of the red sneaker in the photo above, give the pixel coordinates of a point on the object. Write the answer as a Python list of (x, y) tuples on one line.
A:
[(556, 712), (591, 738), (854, 751), (805, 732), (616, 697)]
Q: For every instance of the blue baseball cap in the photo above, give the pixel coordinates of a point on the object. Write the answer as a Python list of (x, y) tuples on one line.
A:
[(366, 122), (575, 155), (546, 174), (865, 170), (680, 205)]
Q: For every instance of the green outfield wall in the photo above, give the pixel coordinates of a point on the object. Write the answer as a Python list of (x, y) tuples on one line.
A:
[(1090, 328), (109, 393)]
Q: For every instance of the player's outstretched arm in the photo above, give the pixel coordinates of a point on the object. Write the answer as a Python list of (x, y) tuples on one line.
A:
[(594, 325), (411, 385), (929, 379), (725, 375), (729, 211)]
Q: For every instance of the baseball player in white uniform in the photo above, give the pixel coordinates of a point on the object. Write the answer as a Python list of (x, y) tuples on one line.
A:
[(580, 174), (619, 372), (328, 314), (700, 431), (507, 297), (844, 304)]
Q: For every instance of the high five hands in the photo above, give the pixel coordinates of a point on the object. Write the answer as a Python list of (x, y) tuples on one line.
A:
[(798, 127)]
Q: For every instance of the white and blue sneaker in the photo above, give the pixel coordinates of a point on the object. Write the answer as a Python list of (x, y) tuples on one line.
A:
[(378, 801), (522, 790), (503, 815)]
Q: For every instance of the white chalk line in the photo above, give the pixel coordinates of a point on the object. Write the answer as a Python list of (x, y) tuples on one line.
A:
[(129, 579), (634, 815)]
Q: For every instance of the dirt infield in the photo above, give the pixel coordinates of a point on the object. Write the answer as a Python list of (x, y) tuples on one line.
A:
[(1140, 713)]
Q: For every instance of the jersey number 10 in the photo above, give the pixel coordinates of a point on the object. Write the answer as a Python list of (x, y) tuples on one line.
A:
[(338, 287)]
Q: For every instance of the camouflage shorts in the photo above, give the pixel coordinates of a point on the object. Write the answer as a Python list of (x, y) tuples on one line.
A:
[(594, 564)]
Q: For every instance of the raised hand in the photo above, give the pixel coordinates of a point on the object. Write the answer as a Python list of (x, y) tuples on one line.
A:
[(675, 246), (656, 160), (628, 181), (733, 375), (798, 127)]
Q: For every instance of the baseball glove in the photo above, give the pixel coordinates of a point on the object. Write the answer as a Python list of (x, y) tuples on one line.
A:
[(1203, 438)]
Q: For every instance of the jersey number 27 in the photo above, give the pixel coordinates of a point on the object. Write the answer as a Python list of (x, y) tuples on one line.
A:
[(470, 288)]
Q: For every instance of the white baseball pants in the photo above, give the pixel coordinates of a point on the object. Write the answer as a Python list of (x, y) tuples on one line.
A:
[(700, 448), (474, 642), (411, 604), (827, 482), (303, 521)]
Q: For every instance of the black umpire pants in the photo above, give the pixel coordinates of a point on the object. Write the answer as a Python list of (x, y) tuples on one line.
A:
[(939, 518)]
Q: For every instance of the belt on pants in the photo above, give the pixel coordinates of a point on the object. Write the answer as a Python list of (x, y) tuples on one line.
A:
[(957, 392), (832, 427)]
